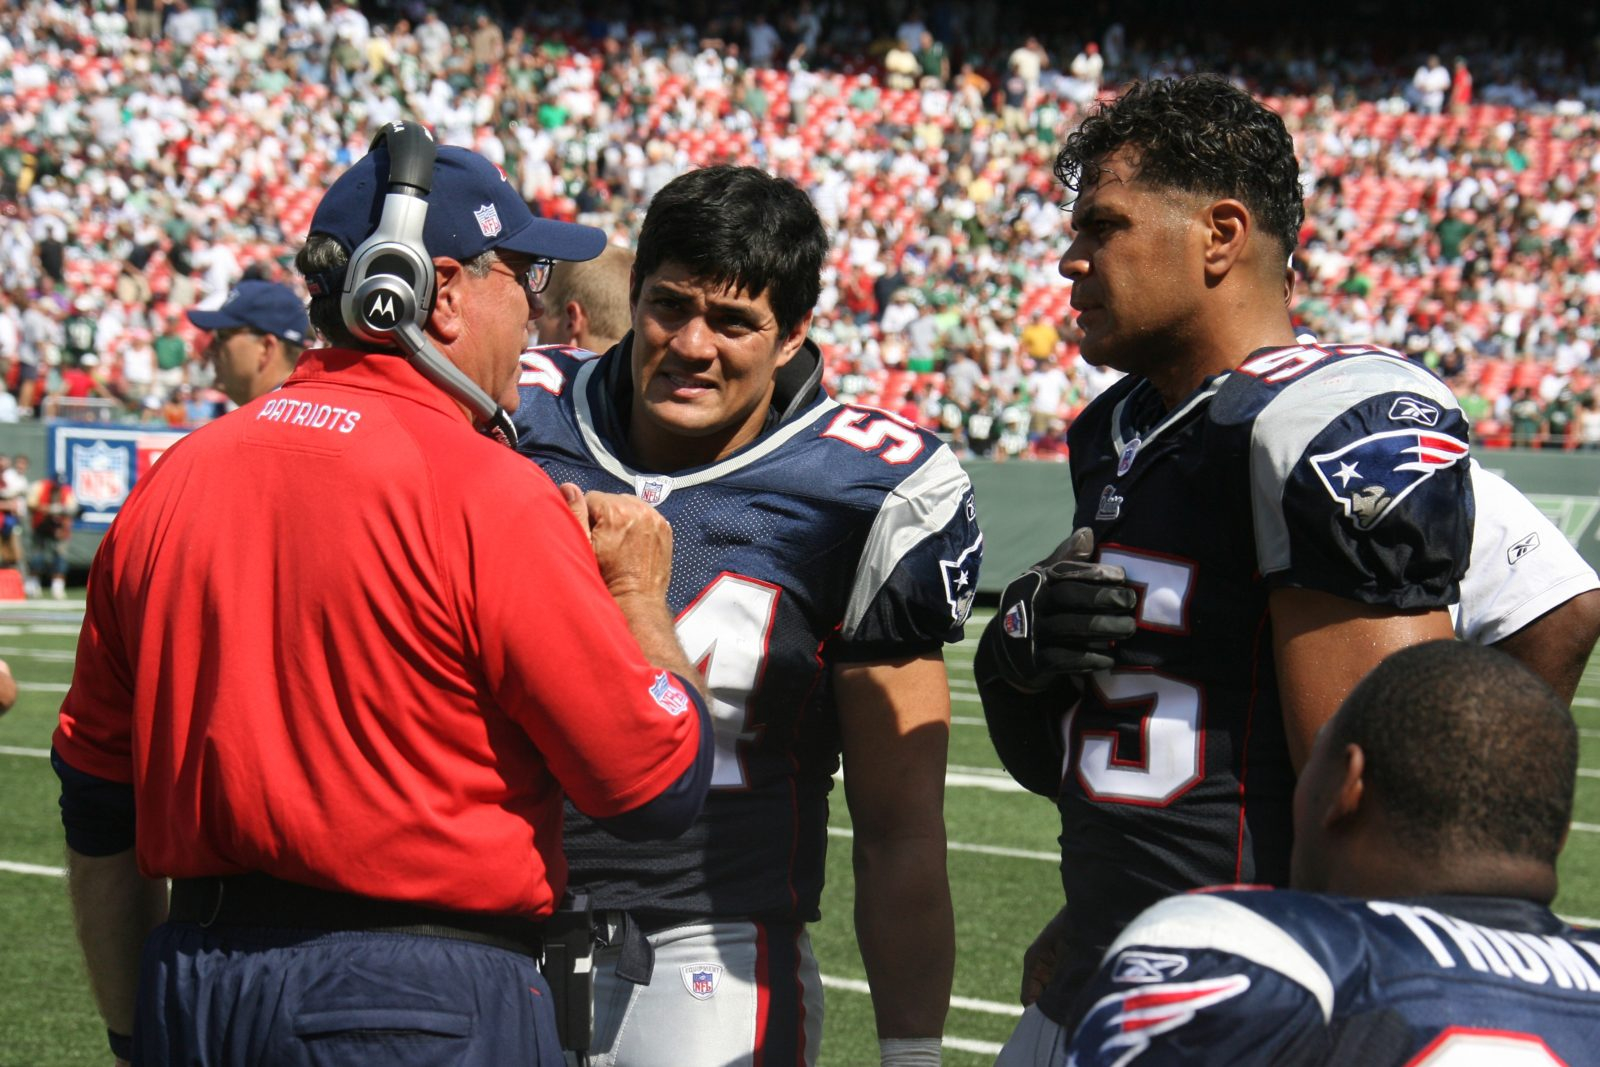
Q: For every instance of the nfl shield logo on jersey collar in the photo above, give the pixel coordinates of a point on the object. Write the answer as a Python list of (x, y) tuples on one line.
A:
[(1129, 451), (702, 979), (652, 488)]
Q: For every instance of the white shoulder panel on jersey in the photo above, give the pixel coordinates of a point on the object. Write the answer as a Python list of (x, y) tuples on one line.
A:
[(915, 510), (1302, 410), (1521, 567), (612, 465), (1202, 921)]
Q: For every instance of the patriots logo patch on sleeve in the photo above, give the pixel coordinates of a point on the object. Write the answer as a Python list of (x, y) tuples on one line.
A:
[(959, 584), (1119, 1027), (1370, 476)]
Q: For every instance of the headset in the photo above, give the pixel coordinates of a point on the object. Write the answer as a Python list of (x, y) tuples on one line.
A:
[(388, 284)]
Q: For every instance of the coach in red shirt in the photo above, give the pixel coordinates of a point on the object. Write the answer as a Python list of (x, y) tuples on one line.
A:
[(342, 657)]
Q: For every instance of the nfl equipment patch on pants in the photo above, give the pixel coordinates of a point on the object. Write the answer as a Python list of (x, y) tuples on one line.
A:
[(732, 994), (245, 996), (1036, 1042)]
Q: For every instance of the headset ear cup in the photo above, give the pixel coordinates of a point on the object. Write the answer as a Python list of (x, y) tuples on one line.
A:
[(383, 290), (383, 302)]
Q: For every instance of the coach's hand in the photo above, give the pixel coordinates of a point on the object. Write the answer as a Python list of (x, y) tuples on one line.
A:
[(632, 544), (1061, 616)]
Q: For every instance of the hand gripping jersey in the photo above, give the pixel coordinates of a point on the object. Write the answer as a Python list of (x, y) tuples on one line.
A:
[(1340, 469), (841, 534), (1282, 978)]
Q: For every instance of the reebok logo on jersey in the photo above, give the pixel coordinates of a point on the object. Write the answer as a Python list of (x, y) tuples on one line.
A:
[(1110, 505), (1122, 1024), (1410, 409), (666, 692), (702, 979), (1140, 967), (1522, 547), (1370, 476)]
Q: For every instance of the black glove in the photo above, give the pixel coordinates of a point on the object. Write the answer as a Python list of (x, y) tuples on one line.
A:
[(1061, 616)]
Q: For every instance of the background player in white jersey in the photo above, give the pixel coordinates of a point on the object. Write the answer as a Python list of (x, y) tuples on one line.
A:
[(1434, 803), (1286, 515), (1527, 591), (822, 556)]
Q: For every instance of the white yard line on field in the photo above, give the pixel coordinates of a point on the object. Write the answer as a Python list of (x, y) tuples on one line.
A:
[(32, 868), (992, 1007), (986, 850)]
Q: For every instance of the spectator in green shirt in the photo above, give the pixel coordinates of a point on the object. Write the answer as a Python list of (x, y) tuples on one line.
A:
[(1452, 231), (1474, 405), (1527, 419), (932, 59)]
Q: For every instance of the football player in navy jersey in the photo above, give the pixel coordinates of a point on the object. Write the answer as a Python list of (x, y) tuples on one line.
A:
[(1284, 516), (1435, 803), (823, 554)]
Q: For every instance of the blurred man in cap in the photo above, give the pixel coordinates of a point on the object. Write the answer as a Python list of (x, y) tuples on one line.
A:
[(256, 337)]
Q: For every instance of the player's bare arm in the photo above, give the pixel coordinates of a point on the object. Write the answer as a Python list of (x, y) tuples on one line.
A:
[(894, 721), (1556, 645), (1323, 645)]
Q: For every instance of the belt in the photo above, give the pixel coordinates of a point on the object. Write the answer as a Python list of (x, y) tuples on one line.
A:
[(262, 900)]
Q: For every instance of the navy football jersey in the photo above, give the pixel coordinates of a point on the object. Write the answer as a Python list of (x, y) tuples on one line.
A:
[(1338, 469), (1276, 977), (841, 534)]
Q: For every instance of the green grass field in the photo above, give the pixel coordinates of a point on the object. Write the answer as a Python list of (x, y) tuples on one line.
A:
[(1002, 873)]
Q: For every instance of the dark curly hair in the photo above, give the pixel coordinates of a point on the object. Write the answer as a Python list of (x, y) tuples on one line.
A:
[(1201, 135)]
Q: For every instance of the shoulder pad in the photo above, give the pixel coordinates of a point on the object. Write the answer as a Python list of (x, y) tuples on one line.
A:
[(1230, 922)]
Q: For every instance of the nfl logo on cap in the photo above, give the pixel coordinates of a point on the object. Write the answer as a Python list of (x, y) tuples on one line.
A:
[(488, 220)]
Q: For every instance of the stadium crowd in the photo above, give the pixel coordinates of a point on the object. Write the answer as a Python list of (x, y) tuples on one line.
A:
[(152, 157)]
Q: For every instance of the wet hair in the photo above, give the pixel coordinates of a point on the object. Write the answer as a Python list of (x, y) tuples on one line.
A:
[(1197, 135), (1466, 750), (740, 228)]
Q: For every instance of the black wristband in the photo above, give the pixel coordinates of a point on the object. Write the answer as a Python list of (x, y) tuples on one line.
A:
[(121, 1045)]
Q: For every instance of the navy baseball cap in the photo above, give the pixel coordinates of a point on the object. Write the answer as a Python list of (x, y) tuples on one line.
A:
[(269, 307), (471, 209)]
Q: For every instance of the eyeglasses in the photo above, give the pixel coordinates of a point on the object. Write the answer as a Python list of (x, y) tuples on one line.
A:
[(534, 275)]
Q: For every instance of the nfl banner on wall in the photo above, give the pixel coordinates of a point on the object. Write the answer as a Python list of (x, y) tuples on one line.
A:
[(103, 463)]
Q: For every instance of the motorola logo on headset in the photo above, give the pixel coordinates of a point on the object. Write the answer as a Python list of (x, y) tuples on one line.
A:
[(382, 309)]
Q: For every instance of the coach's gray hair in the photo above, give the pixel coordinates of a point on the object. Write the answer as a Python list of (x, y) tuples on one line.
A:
[(322, 254)]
